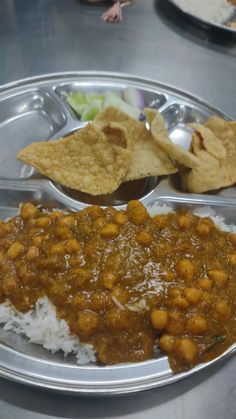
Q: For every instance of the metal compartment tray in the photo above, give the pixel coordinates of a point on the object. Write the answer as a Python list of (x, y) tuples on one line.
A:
[(35, 109)]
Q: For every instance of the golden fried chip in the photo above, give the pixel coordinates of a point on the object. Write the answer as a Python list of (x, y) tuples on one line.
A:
[(210, 141), (87, 160), (213, 173), (147, 158), (160, 134)]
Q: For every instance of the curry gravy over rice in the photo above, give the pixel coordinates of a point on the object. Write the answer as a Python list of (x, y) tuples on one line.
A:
[(124, 281)]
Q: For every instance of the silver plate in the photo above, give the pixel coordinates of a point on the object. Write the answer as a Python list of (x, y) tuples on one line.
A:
[(35, 109), (206, 24)]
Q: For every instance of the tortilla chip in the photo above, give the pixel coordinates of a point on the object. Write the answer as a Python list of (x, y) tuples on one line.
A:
[(87, 160), (147, 158), (160, 134), (210, 141), (213, 173)]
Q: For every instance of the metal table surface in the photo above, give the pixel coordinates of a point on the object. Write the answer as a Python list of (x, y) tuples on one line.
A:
[(154, 41)]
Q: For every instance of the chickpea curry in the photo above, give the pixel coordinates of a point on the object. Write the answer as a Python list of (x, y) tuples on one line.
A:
[(124, 281)]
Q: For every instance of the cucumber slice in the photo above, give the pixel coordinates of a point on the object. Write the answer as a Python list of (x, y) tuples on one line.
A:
[(91, 111), (77, 102)]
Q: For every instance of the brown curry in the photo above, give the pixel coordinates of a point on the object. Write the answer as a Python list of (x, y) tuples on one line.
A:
[(126, 282)]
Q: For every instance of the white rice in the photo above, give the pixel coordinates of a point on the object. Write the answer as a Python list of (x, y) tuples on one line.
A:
[(41, 325), (216, 11)]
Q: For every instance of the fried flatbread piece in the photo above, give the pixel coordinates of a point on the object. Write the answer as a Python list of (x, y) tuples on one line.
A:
[(214, 171), (210, 141), (147, 158), (160, 134), (87, 160)]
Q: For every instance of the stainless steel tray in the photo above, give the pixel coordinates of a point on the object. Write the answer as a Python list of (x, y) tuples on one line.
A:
[(206, 24), (35, 109)]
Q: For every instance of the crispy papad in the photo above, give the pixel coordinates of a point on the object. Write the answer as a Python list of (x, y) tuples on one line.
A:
[(147, 158), (87, 160), (160, 134), (217, 167)]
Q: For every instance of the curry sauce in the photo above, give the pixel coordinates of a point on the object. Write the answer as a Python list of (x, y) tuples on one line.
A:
[(124, 281)]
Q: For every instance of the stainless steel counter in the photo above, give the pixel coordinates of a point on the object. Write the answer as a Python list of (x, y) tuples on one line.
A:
[(154, 41)]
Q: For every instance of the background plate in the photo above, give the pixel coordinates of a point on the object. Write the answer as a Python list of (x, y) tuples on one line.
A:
[(205, 23)]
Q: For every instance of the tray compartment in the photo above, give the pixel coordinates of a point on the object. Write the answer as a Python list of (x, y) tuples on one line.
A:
[(136, 189), (24, 118), (25, 360), (153, 99), (177, 116)]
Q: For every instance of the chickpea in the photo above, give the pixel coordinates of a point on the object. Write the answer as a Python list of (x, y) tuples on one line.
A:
[(192, 295), (28, 210), (88, 323), (137, 213), (32, 253), (4, 229), (67, 221), (180, 302), (22, 270), (116, 319), (80, 276), (113, 262), (63, 233), (159, 319), (100, 222), (94, 211), (56, 214), (203, 229), (120, 293), (159, 221), (74, 260), (175, 324), (110, 231), (174, 292), (186, 350), (37, 241), (197, 324), (108, 280), (121, 218), (185, 269), (15, 250), (232, 238), (144, 238), (45, 279), (43, 222), (33, 232), (99, 301), (219, 277), (10, 285), (232, 259), (222, 311), (205, 283), (208, 298), (72, 246), (208, 221), (58, 292), (167, 343), (168, 276), (57, 249), (28, 278), (184, 222), (80, 301)]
